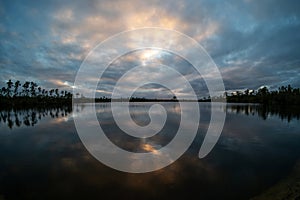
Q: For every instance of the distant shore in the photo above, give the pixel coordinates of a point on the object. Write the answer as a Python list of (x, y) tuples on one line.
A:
[(30, 94)]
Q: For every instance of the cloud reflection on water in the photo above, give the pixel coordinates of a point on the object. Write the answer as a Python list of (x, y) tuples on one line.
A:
[(30, 117), (50, 160)]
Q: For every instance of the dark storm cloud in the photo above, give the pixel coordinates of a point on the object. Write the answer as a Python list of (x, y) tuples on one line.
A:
[(254, 43)]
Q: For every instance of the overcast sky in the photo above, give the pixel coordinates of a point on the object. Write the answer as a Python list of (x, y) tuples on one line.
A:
[(253, 42)]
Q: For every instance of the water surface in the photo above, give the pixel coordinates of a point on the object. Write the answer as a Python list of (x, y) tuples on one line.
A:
[(42, 156)]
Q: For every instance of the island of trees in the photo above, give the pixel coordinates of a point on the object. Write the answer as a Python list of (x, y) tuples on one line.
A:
[(29, 94)]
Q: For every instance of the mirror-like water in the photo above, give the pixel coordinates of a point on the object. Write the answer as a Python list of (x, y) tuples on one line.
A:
[(42, 156)]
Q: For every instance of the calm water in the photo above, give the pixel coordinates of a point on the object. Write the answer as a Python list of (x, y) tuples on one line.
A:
[(42, 157)]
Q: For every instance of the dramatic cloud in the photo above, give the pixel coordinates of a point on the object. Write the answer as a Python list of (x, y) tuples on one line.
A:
[(253, 43)]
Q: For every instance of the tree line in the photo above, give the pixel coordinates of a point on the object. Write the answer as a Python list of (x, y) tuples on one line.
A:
[(30, 93), (285, 95)]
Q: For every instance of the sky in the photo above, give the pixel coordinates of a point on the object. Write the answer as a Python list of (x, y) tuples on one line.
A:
[(253, 43)]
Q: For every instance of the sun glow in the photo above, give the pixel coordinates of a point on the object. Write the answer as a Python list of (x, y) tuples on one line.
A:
[(150, 54)]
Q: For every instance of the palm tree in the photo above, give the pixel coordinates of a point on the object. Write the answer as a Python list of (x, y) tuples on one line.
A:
[(3, 91), (33, 85), (17, 84), (9, 86), (56, 93), (43, 92), (25, 89), (51, 92), (39, 90), (62, 93), (68, 95)]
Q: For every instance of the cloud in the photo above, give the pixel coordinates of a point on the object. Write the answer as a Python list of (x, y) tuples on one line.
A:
[(253, 43)]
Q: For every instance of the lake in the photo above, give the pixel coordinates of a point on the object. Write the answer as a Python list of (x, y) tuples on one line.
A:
[(42, 156)]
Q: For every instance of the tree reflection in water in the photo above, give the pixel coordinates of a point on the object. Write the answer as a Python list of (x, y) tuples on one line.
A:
[(283, 112), (31, 116)]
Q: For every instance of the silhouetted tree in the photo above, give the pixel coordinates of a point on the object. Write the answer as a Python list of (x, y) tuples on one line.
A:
[(31, 94), (51, 92), (285, 95), (9, 87), (33, 88), (3, 91), (56, 93), (26, 89), (17, 84), (39, 91)]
